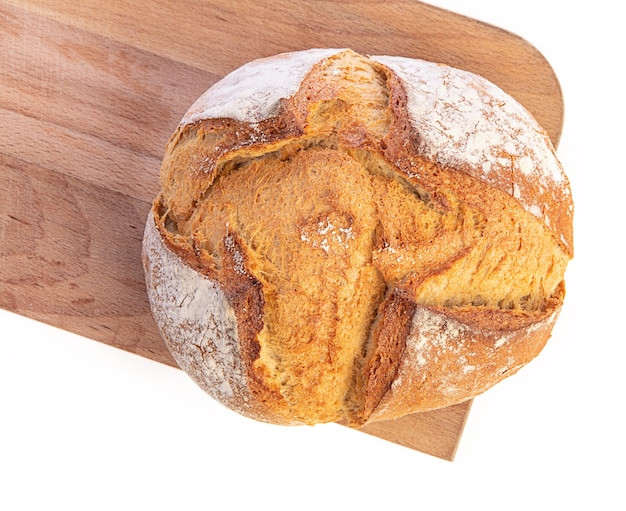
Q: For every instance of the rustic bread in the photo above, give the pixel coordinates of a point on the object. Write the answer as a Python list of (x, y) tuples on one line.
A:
[(342, 238)]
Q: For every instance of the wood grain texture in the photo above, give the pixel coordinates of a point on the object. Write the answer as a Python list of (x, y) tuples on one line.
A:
[(424, 431), (89, 94)]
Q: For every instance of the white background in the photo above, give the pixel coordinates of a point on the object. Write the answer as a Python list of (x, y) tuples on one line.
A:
[(86, 426)]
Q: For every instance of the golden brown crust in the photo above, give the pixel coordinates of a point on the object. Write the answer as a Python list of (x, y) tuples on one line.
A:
[(373, 266), (448, 359), (201, 325)]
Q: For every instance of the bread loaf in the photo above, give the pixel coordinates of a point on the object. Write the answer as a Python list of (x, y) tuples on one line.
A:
[(350, 238)]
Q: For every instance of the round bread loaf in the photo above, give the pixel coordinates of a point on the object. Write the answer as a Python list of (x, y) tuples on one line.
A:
[(349, 238)]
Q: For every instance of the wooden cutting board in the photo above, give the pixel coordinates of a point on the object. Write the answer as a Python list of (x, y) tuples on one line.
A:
[(90, 92)]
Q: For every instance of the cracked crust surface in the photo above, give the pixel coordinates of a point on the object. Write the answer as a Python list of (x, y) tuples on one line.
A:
[(357, 238)]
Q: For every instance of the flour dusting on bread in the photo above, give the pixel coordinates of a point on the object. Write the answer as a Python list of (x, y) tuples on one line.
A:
[(467, 122), (193, 312), (252, 92)]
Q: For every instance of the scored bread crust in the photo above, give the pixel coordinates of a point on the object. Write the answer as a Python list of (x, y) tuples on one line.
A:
[(448, 130)]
